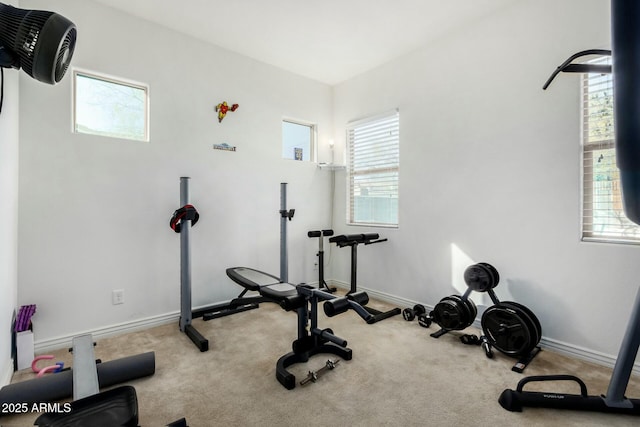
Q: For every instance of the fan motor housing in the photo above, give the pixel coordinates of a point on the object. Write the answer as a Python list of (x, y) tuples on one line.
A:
[(40, 42)]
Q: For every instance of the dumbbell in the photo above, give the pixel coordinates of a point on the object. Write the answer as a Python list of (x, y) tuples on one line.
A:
[(411, 313), (425, 320)]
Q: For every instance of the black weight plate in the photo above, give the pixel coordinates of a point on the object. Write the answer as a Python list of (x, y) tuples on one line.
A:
[(468, 309), (481, 277), (526, 315), (532, 315), (450, 314), (464, 311), (473, 310), (535, 323), (494, 273), (533, 328), (478, 278), (508, 329)]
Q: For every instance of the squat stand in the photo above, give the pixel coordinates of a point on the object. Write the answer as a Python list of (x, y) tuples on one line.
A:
[(181, 222)]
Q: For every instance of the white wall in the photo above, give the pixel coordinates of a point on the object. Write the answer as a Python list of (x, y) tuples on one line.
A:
[(8, 217), (94, 212), (490, 171)]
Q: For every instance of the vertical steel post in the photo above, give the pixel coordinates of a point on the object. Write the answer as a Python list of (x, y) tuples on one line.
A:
[(624, 363), (185, 259), (284, 260)]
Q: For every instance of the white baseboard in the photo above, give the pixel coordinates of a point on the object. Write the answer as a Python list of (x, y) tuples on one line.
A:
[(564, 348), (6, 374), (149, 322), (50, 344)]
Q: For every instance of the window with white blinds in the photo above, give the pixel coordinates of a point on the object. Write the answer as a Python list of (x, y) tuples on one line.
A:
[(374, 160), (603, 217)]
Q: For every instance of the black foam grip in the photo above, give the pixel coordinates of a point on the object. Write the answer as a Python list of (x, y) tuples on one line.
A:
[(293, 302), (361, 297), (336, 306)]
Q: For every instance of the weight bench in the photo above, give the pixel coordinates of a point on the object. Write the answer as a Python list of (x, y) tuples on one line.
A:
[(304, 300), (353, 240)]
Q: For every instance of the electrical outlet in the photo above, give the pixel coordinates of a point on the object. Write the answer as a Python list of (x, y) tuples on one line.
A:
[(117, 296)]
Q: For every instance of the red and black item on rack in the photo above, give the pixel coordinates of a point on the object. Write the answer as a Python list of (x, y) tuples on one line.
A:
[(185, 213)]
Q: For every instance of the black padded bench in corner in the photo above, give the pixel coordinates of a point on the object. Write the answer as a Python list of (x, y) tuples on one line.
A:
[(353, 240), (356, 239)]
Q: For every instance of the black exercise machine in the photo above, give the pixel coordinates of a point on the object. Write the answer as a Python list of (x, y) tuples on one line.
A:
[(181, 222), (626, 69), (353, 240), (304, 300)]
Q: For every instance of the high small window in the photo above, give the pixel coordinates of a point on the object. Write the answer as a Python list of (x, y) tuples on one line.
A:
[(298, 141), (374, 162), (111, 107), (603, 217)]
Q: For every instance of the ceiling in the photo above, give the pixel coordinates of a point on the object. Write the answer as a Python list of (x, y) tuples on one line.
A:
[(326, 40)]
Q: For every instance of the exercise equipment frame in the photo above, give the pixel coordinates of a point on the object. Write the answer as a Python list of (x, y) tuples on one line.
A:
[(236, 305), (626, 67)]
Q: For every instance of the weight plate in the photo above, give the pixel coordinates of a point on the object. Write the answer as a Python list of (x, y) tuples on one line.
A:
[(470, 310), (481, 277), (530, 325), (493, 271), (509, 329), (473, 310), (450, 313), (535, 323), (464, 309)]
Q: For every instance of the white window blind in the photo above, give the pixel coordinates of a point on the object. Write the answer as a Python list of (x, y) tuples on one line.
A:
[(374, 160), (603, 217)]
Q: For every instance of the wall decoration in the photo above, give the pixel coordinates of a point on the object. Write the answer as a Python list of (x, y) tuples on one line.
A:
[(223, 108), (224, 147)]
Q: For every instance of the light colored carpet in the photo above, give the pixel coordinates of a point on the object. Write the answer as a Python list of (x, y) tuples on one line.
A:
[(399, 375)]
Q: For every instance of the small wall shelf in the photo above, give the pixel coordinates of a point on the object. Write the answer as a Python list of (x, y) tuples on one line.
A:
[(331, 166)]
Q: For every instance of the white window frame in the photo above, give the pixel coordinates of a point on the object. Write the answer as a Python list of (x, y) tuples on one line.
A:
[(313, 129), (385, 164), (115, 80), (603, 216)]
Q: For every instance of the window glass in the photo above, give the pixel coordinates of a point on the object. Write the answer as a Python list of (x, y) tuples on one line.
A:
[(603, 216), (297, 141), (108, 107)]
